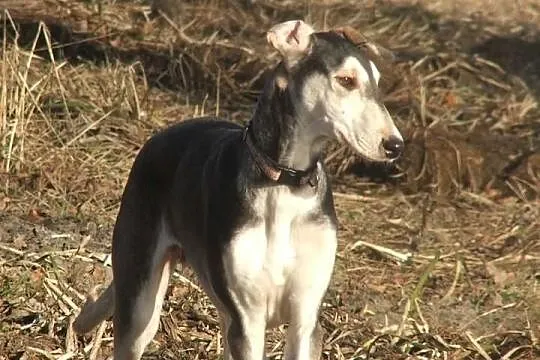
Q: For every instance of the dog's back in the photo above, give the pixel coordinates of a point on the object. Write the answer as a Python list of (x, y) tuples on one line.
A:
[(176, 166)]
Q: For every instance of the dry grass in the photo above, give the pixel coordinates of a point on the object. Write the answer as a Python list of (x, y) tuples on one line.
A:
[(438, 260), (500, 12)]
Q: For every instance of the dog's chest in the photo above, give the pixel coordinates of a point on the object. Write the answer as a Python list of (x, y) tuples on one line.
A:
[(264, 256)]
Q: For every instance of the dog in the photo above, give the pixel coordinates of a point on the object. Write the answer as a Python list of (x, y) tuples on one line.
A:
[(250, 208)]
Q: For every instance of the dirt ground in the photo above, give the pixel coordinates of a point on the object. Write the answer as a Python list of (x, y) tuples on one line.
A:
[(439, 257)]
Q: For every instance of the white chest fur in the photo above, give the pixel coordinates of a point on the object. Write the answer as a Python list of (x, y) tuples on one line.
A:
[(266, 260), (266, 249)]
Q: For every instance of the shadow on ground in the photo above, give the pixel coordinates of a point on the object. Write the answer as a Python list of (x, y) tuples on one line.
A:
[(516, 56), (176, 68)]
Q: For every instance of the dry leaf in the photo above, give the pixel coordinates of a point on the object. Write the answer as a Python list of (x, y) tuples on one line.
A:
[(4, 202), (37, 275), (19, 242), (500, 277), (450, 100)]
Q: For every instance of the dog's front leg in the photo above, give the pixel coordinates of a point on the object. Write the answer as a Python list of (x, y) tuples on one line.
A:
[(316, 248), (245, 301), (304, 339), (245, 337)]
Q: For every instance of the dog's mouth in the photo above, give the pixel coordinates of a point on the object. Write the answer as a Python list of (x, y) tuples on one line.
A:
[(377, 156), (374, 159)]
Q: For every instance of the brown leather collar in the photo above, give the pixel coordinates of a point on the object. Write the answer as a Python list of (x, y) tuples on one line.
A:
[(275, 172)]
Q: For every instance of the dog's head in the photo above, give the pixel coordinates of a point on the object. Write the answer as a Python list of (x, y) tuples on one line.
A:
[(333, 80)]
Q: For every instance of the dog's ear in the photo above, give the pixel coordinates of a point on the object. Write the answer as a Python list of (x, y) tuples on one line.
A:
[(373, 51), (292, 39)]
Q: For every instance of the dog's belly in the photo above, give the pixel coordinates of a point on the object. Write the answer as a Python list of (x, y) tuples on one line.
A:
[(279, 259)]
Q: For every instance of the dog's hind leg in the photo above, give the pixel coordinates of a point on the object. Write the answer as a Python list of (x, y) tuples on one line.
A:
[(140, 288), (224, 327), (95, 311)]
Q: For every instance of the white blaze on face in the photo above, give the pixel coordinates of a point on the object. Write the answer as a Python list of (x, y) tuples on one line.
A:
[(350, 113), (352, 66), (375, 71)]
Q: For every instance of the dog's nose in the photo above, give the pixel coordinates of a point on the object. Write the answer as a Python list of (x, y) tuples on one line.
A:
[(393, 147)]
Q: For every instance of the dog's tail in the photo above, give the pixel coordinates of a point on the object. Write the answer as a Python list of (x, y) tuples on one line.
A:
[(95, 311)]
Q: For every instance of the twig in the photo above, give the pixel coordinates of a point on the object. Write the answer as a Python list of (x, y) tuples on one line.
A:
[(86, 129), (509, 354), (97, 341), (477, 198), (454, 283), (504, 307), (45, 353), (434, 74), (404, 319), (68, 355), (71, 340), (477, 346), (47, 36), (418, 290), (384, 250), (532, 335), (185, 280), (354, 197), (425, 326), (11, 250), (209, 42), (67, 287), (85, 240), (57, 295)]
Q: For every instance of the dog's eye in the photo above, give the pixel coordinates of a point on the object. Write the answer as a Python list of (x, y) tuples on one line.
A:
[(348, 82)]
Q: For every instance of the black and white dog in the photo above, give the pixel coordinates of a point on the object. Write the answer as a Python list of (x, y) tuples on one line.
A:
[(250, 209)]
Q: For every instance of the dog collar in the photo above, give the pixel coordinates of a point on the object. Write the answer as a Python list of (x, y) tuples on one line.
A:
[(276, 172)]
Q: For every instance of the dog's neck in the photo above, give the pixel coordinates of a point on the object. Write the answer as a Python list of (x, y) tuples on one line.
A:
[(282, 132)]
